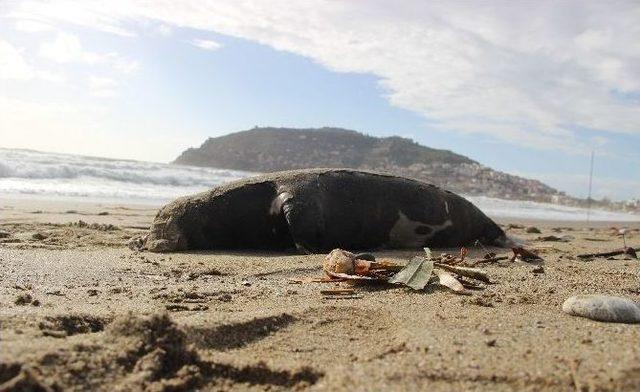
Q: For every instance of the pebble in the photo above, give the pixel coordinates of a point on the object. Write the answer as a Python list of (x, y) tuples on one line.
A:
[(4, 234), (39, 236), (603, 308), (538, 270), (532, 229)]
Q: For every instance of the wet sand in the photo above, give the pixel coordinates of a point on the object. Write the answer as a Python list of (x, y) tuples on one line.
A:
[(79, 310)]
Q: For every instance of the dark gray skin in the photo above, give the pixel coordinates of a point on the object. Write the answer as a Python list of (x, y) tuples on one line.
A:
[(317, 210)]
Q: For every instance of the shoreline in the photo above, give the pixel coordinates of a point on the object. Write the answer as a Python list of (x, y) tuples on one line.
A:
[(56, 205)]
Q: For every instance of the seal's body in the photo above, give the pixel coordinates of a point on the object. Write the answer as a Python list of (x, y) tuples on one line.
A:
[(320, 209)]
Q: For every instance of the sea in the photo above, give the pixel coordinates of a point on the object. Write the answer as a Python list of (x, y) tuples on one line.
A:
[(51, 176)]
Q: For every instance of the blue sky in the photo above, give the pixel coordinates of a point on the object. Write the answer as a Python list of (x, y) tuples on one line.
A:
[(140, 82)]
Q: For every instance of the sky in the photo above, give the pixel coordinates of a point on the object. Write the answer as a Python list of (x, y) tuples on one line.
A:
[(528, 87)]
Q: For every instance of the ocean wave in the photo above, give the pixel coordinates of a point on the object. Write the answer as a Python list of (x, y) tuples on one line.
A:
[(24, 172), (31, 165)]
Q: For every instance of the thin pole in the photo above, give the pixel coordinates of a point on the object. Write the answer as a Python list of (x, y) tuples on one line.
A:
[(590, 183)]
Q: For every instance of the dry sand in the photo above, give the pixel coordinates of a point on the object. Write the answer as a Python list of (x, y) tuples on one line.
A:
[(79, 311)]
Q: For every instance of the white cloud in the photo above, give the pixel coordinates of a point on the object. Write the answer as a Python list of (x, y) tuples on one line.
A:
[(67, 48), (206, 44), (164, 30), (92, 14), (527, 73), (31, 26), (13, 66), (102, 87), (12, 63)]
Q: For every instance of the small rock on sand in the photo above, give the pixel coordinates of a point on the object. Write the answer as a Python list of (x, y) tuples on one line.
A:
[(603, 308), (39, 236), (4, 234), (532, 229), (538, 270)]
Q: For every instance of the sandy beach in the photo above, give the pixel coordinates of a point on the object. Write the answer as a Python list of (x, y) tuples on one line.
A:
[(79, 310)]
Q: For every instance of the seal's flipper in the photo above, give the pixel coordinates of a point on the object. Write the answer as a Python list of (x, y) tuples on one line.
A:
[(303, 220)]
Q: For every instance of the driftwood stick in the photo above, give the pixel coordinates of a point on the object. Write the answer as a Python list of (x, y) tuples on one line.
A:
[(628, 251), (472, 273), (490, 260)]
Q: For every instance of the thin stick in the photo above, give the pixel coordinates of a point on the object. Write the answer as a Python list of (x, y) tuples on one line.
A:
[(337, 292), (491, 260), (628, 251)]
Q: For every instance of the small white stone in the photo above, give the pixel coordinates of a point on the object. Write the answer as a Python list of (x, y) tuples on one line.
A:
[(603, 308)]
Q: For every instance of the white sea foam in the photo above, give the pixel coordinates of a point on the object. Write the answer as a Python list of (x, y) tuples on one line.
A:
[(51, 175), (499, 208), (38, 173)]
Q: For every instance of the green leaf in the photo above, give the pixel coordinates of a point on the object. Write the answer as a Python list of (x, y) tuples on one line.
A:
[(416, 274)]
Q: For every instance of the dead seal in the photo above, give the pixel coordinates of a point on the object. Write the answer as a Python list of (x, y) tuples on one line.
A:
[(317, 210)]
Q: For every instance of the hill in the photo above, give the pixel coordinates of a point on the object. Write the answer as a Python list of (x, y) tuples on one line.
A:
[(274, 149)]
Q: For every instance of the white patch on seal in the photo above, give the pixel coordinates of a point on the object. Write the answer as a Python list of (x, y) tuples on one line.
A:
[(278, 201), (446, 207), (403, 233)]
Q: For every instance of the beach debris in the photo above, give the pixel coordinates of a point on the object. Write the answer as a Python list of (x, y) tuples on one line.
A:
[(337, 292), (622, 232), (4, 234), (420, 271), (365, 256), (448, 280), (340, 294), (324, 279), (339, 261), (555, 238), (522, 254), (490, 258), (344, 265), (416, 274), (514, 226), (447, 258), (603, 308), (350, 296), (469, 284), (473, 273), (629, 251), (532, 230)]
